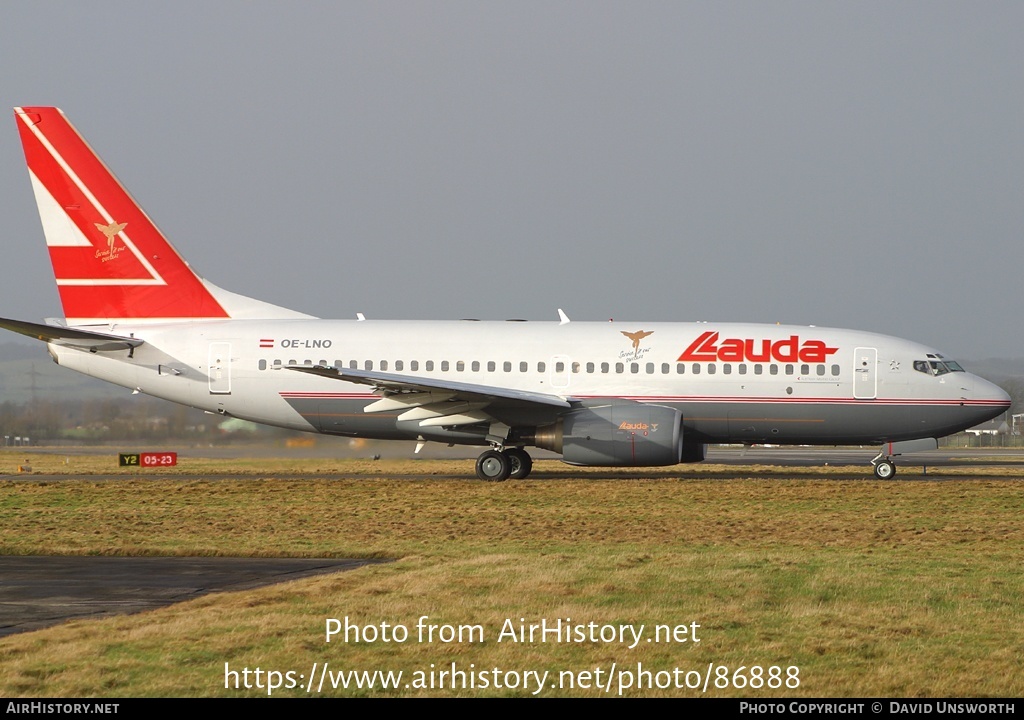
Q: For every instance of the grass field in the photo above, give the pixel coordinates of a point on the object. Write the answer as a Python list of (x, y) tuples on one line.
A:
[(868, 588)]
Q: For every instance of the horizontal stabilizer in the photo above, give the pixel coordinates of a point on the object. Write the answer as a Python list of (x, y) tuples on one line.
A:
[(83, 339)]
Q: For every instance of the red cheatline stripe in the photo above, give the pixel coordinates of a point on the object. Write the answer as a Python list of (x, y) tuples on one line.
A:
[(301, 395), (710, 399), (765, 399)]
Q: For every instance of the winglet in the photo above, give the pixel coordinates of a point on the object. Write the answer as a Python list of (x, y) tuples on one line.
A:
[(562, 317)]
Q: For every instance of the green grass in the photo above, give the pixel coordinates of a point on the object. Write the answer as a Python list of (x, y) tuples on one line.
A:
[(870, 588)]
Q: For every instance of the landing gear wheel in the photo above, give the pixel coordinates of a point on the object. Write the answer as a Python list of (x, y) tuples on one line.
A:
[(885, 470), (493, 466), (520, 463)]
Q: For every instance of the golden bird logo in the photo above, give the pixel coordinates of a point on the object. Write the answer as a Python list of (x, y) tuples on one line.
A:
[(110, 231), (636, 337)]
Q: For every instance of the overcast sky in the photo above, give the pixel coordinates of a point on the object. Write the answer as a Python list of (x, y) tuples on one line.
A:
[(854, 164)]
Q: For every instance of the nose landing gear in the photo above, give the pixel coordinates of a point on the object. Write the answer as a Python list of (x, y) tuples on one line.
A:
[(884, 469), (884, 462)]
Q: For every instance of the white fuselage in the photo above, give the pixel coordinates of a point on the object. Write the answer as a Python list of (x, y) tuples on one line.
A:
[(731, 382)]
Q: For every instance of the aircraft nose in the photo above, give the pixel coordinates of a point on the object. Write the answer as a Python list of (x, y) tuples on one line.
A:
[(985, 390), (989, 398)]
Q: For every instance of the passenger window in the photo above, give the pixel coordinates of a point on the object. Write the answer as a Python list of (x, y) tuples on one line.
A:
[(445, 365), (773, 369), (619, 367), (665, 369), (460, 366), (789, 369), (559, 366), (650, 368), (590, 367), (541, 367), (605, 367), (368, 365), (712, 369), (263, 364), (414, 365), (430, 366), (491, 366), (835, 371), (634, 368), (821, 369), (727, 369), (758, 370), (523, 367), (399, 365), (575, 367), (805, 369), (742, 368), (680, 369), (277, 364), (506, 366), (696, 368), (383, 364)]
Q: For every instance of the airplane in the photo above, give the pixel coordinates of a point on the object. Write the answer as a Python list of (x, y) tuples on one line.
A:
[(652, 394)]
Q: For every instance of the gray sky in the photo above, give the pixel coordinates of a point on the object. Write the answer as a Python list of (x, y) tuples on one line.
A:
[(854, 164)]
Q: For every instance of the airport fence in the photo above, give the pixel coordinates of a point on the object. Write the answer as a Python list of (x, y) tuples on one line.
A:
[(967, 440)]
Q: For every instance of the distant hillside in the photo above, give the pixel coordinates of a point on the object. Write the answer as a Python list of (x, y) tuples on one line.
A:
[(1006, 372), (22, 364), (996, 368)]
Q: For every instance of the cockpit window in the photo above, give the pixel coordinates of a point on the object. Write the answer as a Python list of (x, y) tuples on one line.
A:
[(937, 365)]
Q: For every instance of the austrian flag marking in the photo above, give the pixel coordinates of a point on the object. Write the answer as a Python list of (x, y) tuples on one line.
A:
[(266, 343), (708, 348)]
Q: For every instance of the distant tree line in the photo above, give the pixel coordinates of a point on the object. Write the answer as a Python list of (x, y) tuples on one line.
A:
[(97, 421)]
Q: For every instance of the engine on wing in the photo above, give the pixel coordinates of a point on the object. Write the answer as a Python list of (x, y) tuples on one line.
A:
[(619, 434)]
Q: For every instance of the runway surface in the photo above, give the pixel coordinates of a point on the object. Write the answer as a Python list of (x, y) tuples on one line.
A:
[(821, 456), (38, 591), (857, 458)]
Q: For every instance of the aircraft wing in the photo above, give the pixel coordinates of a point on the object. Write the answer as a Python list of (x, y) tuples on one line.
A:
[(432, 402), (391, 383), (82, 339)]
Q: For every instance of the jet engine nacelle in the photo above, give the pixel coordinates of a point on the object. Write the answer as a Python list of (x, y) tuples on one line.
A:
[(618, 434)]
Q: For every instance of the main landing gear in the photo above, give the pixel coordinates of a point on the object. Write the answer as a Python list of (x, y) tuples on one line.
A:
[(500, 465)]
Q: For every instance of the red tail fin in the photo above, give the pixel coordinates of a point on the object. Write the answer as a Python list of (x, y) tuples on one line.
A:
[(110, 261)]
